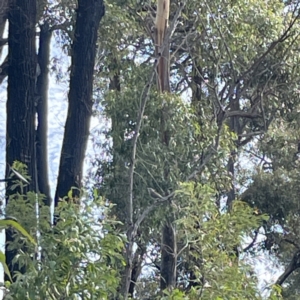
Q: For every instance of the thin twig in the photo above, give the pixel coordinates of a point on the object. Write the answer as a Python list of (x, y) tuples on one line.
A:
[(253, 242)]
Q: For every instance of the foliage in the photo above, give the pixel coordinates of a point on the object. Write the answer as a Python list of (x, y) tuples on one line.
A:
[(213, 244), (225, 56), (274, 190), (207, 239), (234, 92), (79, 257), (13, 224)]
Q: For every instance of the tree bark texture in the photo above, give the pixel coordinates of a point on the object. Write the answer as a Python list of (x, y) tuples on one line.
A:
[(136, 268), (162, 49), (162, 46), (20, 126), (89, 14), (42, 113), (168, 257)]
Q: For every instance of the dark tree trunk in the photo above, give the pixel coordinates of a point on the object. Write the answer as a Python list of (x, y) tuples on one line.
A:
[(89, 14), (136, 268), (20, 130), (168, 257), (163, 67), (234, 126), (231, 171), (197, 86), (42, 113)]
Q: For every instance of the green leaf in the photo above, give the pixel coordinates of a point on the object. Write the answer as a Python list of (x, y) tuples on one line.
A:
[(3, 262), (17, 226)]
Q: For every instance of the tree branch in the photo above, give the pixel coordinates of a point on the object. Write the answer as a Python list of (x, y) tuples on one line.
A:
[(4, 69), (292, 243), (241, 114), (252, 243), (293, 265), (132, 228), (251, 134), (3, 42)]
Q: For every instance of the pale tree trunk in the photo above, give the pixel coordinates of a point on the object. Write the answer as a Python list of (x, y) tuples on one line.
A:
[(89, 14), (162, 45), (42, 113)]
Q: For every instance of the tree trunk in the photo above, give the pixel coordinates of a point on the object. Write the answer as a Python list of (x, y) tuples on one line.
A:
[(162, 49), (20, 126), (136, 267), (42, 113), (162, 45), (234, 126), (89, 14), (231, 171), (168, 257)]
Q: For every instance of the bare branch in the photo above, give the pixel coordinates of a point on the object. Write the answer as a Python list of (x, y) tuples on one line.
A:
[(3, 42), (251, 134), (242, 114), (273, 45), (146, 212), (4, 69), (62, 26), (293, 265), (252, 243), (212, 150)]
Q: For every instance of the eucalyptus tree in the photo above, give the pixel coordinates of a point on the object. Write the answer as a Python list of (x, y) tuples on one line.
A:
[(27, 96), (20, 124), (226, 56), (224, 71), (274, 190)]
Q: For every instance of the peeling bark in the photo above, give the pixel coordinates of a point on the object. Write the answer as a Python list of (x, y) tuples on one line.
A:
[(162, 48)]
